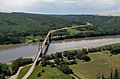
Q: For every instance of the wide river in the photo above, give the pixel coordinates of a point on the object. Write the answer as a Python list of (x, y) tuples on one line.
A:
[(8, 53)]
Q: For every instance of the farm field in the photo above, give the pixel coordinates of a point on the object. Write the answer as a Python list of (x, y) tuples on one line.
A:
[(101, 63)]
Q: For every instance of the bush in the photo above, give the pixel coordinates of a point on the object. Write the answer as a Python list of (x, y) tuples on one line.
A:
[(85, 51), (58, 55), (70, 57), (72, 62), (4, 70), (49, 57), (65, 69), (57, 61), (79, 56), (2, 76), (39, 74), (115, 50), (85, 58), (45, 62), (91, 50), (82, 56)]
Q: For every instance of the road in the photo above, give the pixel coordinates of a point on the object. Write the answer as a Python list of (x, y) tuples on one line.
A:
[(36, 59), (40, 51), (16, 75)]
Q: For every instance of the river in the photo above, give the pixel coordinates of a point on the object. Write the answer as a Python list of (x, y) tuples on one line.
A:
[(8, 53)]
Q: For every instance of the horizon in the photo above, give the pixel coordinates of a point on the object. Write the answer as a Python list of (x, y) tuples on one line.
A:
[(61, 7), (63, 14)]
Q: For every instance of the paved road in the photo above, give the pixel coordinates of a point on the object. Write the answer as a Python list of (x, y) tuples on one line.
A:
[(43, 44), (36, 59), (16, 75)]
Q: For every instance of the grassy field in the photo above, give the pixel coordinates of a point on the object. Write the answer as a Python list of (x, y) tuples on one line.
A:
[(113, 45), (31, 38), (101, 63), (50, 73), (72, 31), (109, 14), (23, 72)]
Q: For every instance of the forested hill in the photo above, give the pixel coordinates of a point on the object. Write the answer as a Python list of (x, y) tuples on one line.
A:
[(106, 23), (15, 27)]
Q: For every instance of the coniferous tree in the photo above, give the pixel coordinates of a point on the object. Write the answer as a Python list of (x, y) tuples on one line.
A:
[(103, 76), (111, 74), (116, 76)]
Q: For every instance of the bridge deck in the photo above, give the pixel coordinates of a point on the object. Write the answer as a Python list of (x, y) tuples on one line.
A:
[(40, 51), (37, 57)]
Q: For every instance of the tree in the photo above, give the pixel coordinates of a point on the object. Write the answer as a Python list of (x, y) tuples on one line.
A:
[(4, 70), (20, 62), (39, 74), (43, 62), (79, 56), (2, 76), (103, 76), (85, 51), (111, 74), (65, 69), (57, 61), (115, 50), (116, 75), (58, 55), (85, 58)]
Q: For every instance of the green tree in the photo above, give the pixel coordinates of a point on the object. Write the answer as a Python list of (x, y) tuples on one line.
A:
[(116, 75)]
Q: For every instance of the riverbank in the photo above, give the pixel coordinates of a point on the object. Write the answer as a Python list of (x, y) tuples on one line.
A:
[(10, 46), (86, 38), (30, 50)]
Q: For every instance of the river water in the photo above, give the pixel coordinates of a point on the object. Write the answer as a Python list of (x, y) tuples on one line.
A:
[(30, 50)]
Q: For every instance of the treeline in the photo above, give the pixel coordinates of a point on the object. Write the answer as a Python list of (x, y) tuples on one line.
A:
[(15, 27), (85, 34), (113, 75), (99, 26), (113, 50), (20, 62), (6, 70)]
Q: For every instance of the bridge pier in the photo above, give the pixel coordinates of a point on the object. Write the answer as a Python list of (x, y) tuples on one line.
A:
[(50, 38)]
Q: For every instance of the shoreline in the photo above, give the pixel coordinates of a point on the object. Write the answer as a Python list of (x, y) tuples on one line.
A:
[(66, 40), (10, 62), (86, 38)]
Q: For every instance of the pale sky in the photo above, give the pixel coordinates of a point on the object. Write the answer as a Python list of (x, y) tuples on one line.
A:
[(61, 6)]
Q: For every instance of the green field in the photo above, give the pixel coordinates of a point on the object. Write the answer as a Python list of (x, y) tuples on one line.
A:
[(113, 45), (72, 31), (50, 73), (100, 63), (23, 72)]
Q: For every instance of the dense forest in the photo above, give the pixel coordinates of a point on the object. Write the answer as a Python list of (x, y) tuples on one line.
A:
[(21, 27), (98, 26), (14, 27)]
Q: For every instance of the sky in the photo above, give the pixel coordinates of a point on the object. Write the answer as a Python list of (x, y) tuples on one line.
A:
[(61, 6)]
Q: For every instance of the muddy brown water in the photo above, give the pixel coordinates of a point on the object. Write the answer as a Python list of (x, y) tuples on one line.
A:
[(11, 52)]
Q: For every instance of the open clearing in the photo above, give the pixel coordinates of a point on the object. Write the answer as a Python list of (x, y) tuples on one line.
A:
[(50, 73), (23, 71), (101, 63)]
